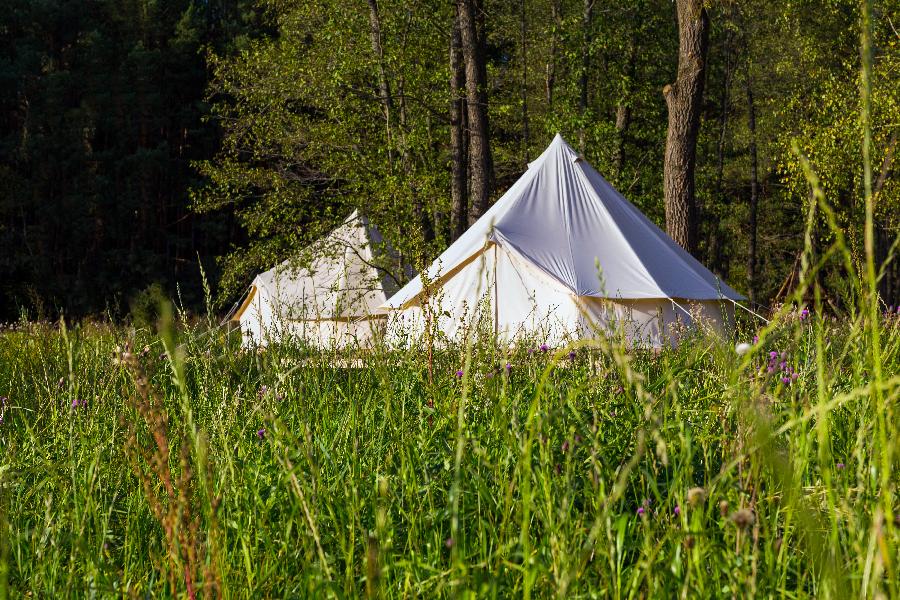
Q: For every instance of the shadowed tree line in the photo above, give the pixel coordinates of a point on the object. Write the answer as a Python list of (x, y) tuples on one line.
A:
[(139, 138)]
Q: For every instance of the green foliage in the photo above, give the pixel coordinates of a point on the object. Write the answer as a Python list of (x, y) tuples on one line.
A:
[(144, 306)]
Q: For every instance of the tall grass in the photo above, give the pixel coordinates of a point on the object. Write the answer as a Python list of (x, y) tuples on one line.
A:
[(178, 465)]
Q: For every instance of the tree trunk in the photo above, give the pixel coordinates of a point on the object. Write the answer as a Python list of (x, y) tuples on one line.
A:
[(715, 229), (422, 216), (586, 19), (550, 80), (526, 134), (384, 86), (480, 163), (754, 192), (623, 113), (683, 99), (458, 140)]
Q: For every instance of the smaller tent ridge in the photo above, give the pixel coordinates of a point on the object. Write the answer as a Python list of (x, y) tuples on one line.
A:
[(563, 217), (349, 277)]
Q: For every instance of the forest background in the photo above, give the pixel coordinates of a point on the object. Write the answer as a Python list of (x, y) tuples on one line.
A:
[(147, 144)]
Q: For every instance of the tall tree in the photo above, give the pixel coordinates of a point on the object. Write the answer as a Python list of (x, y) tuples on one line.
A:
[(754, 193), (474, 52), (684, 98), (587, 17), (459, 145)]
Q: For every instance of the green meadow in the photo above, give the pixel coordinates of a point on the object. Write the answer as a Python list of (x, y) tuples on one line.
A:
[(175, 464)]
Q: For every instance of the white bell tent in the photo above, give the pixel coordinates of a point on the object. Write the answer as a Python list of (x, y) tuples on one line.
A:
[(334, 302), (563, 255)]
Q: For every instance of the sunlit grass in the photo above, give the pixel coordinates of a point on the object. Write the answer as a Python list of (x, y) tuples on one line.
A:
[(690, 472)]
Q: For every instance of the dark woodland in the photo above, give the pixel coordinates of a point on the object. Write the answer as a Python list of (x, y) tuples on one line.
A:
[(147, 146)]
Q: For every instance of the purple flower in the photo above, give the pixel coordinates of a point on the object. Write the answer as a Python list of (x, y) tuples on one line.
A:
[(544, 347), (572, 355), (459, 373), (508, 367), (261, 433), (755, 339), (75, 403), (771, 369), (785, 380), (803, 314), (640, 511), (263, 389), (677, 510), (773, 354), (449, 542), (840, 466)]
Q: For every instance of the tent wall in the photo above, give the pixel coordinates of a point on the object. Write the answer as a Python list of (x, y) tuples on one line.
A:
[(503, 294)]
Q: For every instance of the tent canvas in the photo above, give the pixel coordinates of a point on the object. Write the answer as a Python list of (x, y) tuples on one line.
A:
[(562, 254), (335, 300)]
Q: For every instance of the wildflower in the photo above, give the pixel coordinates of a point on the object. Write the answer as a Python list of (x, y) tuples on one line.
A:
[(449, 542), (803, 314), (508, 367), (742, 348), (743, 518), (565, 446), (261, 433), (677, 510), (640, 511), (840, 466), (696, 496), (755, 339), (571, 355), (263, 389), (544, 347), (773, 354), (785, 380), (489, 374), (459, 373)]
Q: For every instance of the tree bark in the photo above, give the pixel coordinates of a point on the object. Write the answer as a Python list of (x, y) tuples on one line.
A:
[(459, 146), (754, 192), (526, 134), (683, 99), (480, 163), (715, 230), (384, 86), (550, 79), (623, 112), (586, 20)]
